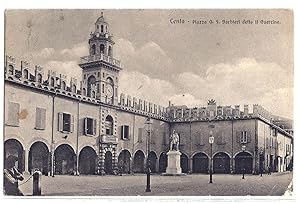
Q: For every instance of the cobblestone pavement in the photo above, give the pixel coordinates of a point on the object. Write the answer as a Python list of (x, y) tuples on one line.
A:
[(190, 185)]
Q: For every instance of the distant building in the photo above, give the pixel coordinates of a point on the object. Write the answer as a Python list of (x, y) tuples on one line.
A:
[(88, 127)]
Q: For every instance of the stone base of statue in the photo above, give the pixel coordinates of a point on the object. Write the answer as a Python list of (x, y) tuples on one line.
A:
[(173, 168)]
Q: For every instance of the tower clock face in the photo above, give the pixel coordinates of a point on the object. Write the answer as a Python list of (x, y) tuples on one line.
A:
[(109, 91)]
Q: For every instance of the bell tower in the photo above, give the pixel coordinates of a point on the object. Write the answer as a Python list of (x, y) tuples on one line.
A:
[(100, 70)]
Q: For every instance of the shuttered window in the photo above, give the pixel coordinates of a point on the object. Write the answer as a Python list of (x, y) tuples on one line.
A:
[(90, 126), (13, 114), (65, 122), (199, 139), (40, 118), (140, 135), (125, 132), (243, 137), (221, 139)]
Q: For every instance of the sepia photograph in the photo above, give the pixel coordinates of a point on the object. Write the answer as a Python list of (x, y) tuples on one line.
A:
[(148, 102)]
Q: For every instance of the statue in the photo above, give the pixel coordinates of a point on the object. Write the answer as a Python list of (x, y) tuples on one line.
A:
[(174, 141)]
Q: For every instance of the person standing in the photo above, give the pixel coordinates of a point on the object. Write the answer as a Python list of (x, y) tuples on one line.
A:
[(11, 177)]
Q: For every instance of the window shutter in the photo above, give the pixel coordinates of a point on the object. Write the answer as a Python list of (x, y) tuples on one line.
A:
[(223, 141), (94, 126), (43, 118), (200, 138), (129, 132), (249, 137), (72, 124), (238, 136), (38, 118), (60, 121), (140, 135), (85, 127), (13, 114), (122, 132)]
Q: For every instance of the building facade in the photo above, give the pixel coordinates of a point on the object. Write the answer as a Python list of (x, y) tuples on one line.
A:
[(87, 127)]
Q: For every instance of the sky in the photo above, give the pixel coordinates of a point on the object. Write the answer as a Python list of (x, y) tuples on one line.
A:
[(162, 61)]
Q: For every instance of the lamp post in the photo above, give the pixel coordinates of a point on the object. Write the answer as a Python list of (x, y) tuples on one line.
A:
[(211, 141), (243, 148), (148, 122)]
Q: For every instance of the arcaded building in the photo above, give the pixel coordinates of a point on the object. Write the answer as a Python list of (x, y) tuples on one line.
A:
[(88, 127)]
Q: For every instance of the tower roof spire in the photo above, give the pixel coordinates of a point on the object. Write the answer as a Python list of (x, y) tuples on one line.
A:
[(101, 18)]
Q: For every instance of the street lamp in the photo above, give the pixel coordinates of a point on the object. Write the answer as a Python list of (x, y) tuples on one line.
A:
[(148, 122), (211, 141), (243, 148)]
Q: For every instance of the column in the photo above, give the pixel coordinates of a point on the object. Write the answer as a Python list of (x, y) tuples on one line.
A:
[(26, 160), (232, 165), (131, 165), (190, 165), (100, 166), (114, 161), (157, 165), (49, 163)]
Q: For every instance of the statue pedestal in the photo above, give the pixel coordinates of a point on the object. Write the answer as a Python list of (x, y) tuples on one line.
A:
[(173, 168)]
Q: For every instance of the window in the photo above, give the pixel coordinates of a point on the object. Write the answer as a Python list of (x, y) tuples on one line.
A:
[(93, 50), (65, 122), (25, 73), (125, 132), (102, 88), (90, 126), (140, 135), (101, 48), (74, 88), (98, 88), (109, 51), (39, 78), (40, 118), (63, 85), (97, 26), (271, 143), (10, 70), (109, 125), (90, 83), (221, 139), (244, 137), (101, 28), (13, 114), (51, 81)]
